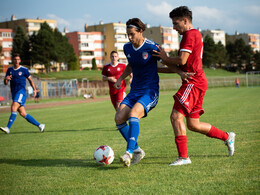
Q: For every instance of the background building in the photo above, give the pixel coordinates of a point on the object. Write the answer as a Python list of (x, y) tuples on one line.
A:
[(6, 43), (167, 37), (29, 25), (87, 45), (216, 35), (249, 39), (115, 37)]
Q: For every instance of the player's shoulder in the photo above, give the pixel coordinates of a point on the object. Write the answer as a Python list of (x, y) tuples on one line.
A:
[(24, 68), (150, 43), (107, 65), (193, 32)]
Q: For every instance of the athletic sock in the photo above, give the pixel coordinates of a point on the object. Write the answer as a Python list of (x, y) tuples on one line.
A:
[(30, 119), (133, 134), (181, 143), (11, 119), (217, 133), (124, 130)]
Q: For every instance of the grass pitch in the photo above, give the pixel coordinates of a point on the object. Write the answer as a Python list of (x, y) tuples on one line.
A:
[(60, 160)]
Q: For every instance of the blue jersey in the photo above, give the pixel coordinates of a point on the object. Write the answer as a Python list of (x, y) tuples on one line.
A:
[(143, 64), (19, 76)]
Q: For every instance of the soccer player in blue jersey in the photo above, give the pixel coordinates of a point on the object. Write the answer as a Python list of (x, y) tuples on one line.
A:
[(144, 92), (17, 76)]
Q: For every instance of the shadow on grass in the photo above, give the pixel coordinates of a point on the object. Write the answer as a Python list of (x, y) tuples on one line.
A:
[(62, 131), (56, 163)]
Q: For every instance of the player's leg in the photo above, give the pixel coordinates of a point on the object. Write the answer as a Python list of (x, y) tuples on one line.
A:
[(179, 128), (30, 119)]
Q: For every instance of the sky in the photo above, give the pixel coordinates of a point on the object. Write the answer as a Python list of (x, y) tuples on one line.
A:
[(228, 15)]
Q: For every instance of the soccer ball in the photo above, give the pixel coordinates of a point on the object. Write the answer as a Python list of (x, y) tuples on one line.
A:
[(104, 155)]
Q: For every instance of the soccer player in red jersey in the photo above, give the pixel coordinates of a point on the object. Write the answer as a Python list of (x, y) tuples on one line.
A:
[(111, 72), (189, 98)]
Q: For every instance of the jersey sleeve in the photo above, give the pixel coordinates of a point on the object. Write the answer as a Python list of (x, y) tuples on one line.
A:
[(27, 73), (104, 71), (7, 72), (156, 49), (187, 43)]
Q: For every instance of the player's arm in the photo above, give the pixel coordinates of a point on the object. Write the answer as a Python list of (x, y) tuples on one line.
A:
[(111, 79), (127, 72), (33, 86)]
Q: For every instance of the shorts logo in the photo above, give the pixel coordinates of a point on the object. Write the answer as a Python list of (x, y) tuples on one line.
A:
[(128, 56), (186, 103), (20, 73), (118, 69), (145, 55), (108, 69), (132, 138)]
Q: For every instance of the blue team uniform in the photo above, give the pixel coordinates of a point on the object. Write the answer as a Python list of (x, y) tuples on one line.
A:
[(18, 83), (145, 83)]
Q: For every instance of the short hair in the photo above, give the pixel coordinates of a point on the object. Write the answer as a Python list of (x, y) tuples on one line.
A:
[(181, 12), (16, 55), (135, 23), (113, 52)]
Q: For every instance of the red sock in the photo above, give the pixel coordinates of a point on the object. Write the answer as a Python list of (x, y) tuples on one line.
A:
[(217, 133), (181, 142)]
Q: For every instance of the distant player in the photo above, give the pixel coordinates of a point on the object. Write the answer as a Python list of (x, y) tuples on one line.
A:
[(144, 93), (17, 76), (111, 72), (189, 98)]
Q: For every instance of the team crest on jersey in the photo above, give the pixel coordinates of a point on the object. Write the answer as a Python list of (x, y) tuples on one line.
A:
[(145, 55), (128, 56), (118, 69), (108, 69), (20, 73)]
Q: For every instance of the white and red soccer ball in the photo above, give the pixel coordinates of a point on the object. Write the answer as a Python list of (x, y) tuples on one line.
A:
[(104, 155)]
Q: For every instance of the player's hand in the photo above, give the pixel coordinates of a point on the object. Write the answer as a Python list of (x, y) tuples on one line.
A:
[(9, 77), (117, 85), (160, 54), (112, 79), (186, 76), (34, 93)]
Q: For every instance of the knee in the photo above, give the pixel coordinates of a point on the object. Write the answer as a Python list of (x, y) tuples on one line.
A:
[(119, 119), (23, 114), (175, 118), (192, 126)]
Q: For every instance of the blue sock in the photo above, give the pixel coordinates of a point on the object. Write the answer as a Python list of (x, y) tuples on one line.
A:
[(124, 130), (30, 119), (133, 134), (11, 119)]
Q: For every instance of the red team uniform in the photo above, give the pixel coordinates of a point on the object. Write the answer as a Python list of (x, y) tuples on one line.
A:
[(110, 70), (189, 98)]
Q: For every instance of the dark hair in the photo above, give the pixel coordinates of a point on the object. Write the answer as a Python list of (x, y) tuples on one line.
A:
[(16, 55), (135, 22), (113, 52), (181, 12)]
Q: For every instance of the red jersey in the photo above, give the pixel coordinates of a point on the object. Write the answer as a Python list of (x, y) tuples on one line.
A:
[(192, 42), (110, 70)]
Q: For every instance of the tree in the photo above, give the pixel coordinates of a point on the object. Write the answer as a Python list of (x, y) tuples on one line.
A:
[(220, 56), (240, 55), (21, 46), (208, 51), (94, 64), (43, 46)]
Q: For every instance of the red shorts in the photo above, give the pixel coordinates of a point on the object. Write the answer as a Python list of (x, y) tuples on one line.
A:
[(189, 100), (117, 97)]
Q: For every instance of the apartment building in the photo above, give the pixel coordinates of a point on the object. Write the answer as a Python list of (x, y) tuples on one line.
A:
[(249, 39), (29, 25), (216, 35), (114, 36), (87, 45), (166, 37), (6, 43)]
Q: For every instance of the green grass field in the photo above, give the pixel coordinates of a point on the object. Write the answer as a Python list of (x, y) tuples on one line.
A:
[(96, 74), (60, 160)]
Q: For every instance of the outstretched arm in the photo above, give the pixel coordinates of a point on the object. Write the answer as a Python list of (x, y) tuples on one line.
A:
[(127, 72)]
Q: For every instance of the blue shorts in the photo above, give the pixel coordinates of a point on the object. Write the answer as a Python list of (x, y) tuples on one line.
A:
[(148, 98), (20, 97)]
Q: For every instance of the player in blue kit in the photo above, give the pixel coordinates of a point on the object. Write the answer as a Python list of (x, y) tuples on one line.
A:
[(144, 92), (17, 76)]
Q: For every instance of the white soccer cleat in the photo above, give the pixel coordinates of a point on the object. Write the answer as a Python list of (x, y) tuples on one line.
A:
[(181, 161), (138, 155), (230, 143), (5, 129), (125, 159), (41, 127)]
